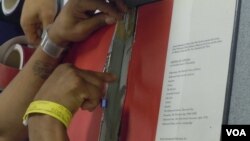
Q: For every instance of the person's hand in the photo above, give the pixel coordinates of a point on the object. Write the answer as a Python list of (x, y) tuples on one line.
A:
[(36, 16), (74, 88), (77, 20)]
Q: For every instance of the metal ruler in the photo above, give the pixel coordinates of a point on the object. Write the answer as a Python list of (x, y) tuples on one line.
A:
[(117, 63)]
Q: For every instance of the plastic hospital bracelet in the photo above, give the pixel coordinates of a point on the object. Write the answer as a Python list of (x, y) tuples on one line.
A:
[(52, 109)]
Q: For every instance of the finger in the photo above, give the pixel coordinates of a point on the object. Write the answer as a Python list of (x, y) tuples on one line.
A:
[(30, 24), (104, 76), (91, 78), (94, 96), (89, 105), (97, 21), (95, 93), (87, 90), (84, 28), (105, 8), (96, 78), (31, 32), (107, 77)]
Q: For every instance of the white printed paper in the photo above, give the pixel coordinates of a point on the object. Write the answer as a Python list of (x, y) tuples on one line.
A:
[(196, 71)]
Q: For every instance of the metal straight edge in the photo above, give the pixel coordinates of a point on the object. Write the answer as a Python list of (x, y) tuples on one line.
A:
[(117, 63)]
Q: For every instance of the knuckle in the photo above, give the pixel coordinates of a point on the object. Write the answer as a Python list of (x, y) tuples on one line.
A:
[(92, 105), (95, 103)]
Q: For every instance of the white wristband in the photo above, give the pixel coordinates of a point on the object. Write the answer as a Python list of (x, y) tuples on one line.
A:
[(50, 47)]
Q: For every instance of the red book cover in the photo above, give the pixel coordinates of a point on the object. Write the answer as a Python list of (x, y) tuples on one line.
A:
[(141, 107)]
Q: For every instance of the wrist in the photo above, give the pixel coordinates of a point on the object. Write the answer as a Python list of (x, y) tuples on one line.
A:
[(56, 38), (44, 121), (50, 45), (45, 128), (50, 108)]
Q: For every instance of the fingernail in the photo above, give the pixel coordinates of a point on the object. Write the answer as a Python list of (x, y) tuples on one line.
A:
[(110, 20)]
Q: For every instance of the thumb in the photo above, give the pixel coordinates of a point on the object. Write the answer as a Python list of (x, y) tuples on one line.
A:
[(99, 20)]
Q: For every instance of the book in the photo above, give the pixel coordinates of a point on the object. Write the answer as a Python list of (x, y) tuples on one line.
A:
[(196, 79), (179, 73)]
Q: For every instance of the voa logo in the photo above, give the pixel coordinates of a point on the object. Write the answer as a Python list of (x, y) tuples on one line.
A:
[(236, 132)]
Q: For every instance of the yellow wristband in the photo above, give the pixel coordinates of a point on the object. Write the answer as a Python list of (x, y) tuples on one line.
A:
[(52, 109)]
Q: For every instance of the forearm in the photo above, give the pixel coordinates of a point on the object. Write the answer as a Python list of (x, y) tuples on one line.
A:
[(71, 25), (21, 91), (45, 128)]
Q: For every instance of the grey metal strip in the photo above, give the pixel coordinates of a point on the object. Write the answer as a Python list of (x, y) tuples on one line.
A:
[(118, 64)]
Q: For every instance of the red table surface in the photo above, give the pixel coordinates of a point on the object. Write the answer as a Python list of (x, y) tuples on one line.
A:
[(145, 78)]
